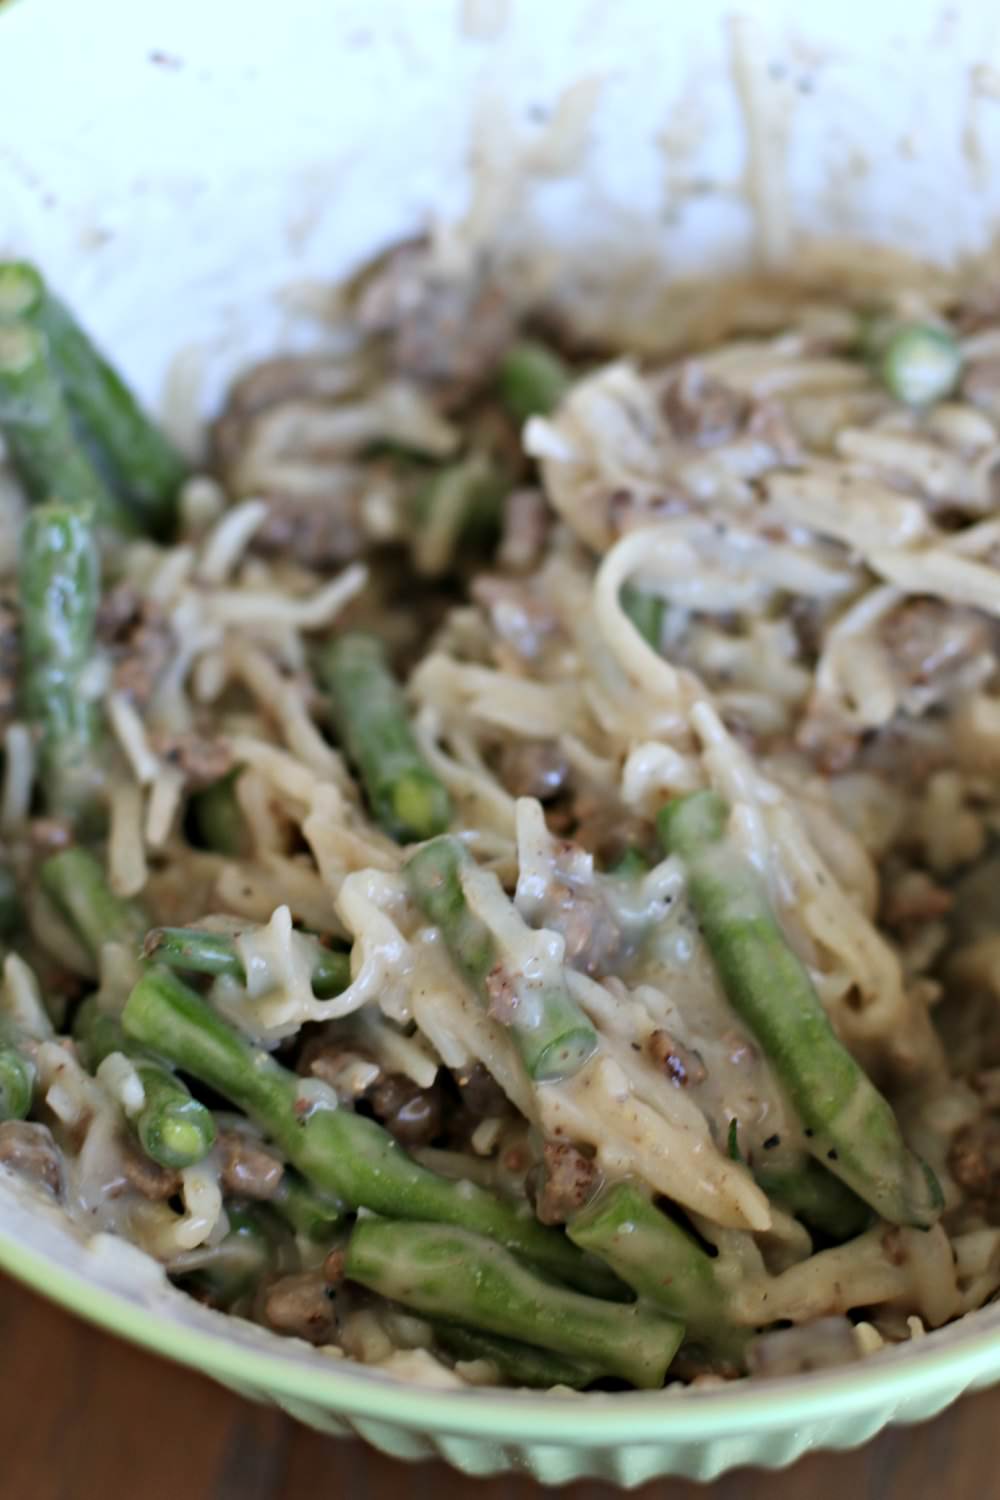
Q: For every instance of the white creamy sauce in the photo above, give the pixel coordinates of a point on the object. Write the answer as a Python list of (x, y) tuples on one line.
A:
[(278, 963), (202, 1205), (118, 1076), (457, 1026), (676, 1156), (120, 970), (312, 1094), (531, 957), (22, 999)]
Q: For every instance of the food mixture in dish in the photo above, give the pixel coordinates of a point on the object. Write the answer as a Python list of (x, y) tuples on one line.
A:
[(500, 869)]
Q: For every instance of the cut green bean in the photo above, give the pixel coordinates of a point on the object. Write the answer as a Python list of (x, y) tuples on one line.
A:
[(35, 421), (810, 1193), (21, 291), (173, 1128), (98, 1034), (445, 1272), (144, 466), (661, 1262), (633, 865), (76, 884), (433, 874), (81, 396), (850, 1127), (195, 950), (17, 1083), (805, 1189), (406, 796), (59, 577), (10, 903), (470, 493), (233, 1268), (920, 363), (646, 612), (532, 380), (340, 1153), (217, 818), (552, 1035), (313, 1215), (519, 1363), (199, 951)]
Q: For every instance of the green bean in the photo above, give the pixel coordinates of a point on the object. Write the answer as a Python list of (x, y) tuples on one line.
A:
[(406, 796), (521, 1364), (97, 1034), (76, 884), (313, 1215), (342, 1154), (195, 950), (551, 1033), (444, 1272), (646, 612), (920, 363), (633, 865), (233, 1268), (217, 818), (17, 1082), (810, 1193), (10, 903), (59, 578), (532, 380), (173, 1128), (471, 491), (144, 466), (199, 951), (805, 1189), (38, 429), (849, 1126), (21, 291), (661, 1262)]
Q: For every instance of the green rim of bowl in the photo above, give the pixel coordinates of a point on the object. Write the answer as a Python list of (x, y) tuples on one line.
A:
[(929, 1366)]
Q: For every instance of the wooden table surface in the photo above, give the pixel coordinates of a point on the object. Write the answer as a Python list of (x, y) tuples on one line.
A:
[(84, 1417)]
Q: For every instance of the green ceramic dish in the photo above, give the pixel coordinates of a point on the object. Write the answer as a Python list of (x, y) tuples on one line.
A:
[(626, 1439), (409, 82)]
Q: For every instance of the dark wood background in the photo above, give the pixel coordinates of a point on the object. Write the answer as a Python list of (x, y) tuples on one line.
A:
[(84, 1417)]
